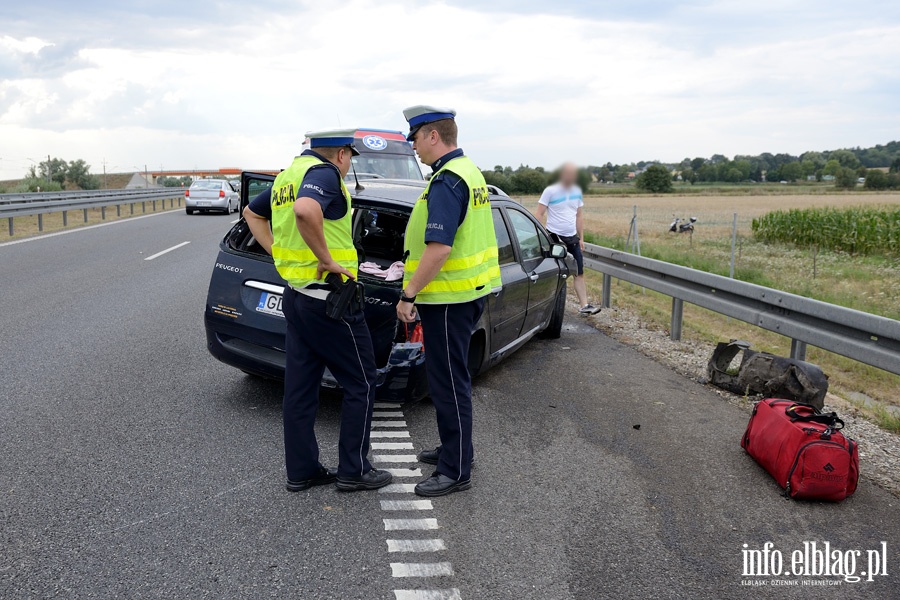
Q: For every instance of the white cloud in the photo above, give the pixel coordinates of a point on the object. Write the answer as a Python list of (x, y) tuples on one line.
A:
[(530, 88)]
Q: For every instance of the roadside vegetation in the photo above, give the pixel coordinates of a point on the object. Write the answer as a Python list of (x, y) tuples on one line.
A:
[(869, 283), (863, 230)]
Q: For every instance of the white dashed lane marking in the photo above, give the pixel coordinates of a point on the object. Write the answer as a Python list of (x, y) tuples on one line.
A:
[(404, 472), (398, 488), (452, 594), (389, 405), (441, 569), (392, 446), (390, 434), (430, 545), (406, 505), (409, 524), (395, 458), (393, 426), (167, 250)]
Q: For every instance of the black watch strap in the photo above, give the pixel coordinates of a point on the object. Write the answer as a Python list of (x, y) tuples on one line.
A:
[(405, 298)]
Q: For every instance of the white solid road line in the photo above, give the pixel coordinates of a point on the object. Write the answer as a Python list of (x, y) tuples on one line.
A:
[(441, 569), (77, 229), (384, 415), (409, 524), (395, 458), (451, 594), (392, 446), (404, 472), (398, 488), (406, 505), (433, 545), (389, 434), (167, 250)]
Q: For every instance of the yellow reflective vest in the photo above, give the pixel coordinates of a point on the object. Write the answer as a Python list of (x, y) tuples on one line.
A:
[(471, 270), (294, 260)]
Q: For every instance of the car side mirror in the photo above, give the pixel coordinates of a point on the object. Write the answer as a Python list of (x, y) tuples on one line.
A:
[(558, 251)]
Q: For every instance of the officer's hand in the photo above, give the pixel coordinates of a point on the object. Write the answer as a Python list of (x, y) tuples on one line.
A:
[(406, 312), (332, 267)]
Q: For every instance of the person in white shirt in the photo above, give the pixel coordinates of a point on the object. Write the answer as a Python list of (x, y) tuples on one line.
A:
[(562, 204)]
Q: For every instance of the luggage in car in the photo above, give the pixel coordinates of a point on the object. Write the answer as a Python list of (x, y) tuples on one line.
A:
[(803, 449)]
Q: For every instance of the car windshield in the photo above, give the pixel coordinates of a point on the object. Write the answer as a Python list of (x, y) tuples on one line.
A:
[(206, 185), (385, 166)]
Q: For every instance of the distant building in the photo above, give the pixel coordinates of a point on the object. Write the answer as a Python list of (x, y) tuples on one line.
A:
[(138, 181)]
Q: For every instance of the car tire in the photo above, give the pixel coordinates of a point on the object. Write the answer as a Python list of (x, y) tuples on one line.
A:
[(189, 211), (554, 328)]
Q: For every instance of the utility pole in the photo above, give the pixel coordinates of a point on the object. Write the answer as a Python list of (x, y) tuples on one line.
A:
[(49, 169), (104, 173), (146, 176)]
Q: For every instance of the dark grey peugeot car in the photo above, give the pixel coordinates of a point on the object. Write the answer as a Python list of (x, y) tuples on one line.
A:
[(245, 327)]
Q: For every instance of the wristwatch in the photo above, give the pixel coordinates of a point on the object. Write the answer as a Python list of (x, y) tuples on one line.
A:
[(405, 298)]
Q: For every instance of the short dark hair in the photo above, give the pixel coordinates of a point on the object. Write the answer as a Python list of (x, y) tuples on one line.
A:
[(330, 152), (446, 129)]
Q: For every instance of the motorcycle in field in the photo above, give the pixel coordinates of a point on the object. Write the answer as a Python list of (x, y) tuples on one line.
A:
[(682, 226)]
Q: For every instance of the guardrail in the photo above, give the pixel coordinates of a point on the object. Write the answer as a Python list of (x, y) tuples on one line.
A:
[(41, 203), (864, 337)]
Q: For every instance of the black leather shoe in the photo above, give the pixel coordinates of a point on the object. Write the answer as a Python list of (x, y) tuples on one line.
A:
[(430, 457), (441, 485), (323, 477), (372, 480)]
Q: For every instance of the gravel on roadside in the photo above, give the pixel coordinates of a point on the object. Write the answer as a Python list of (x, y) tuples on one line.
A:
[(879, 450)]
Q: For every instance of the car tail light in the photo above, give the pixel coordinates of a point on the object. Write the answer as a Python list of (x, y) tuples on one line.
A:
[(221, 193), (187, 193)]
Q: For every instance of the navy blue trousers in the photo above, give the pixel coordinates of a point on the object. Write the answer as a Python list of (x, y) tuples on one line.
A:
[(448, 330), (314, 341)]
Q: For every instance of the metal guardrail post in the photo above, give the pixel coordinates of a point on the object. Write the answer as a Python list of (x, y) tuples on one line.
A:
[(10, 227), (154, 206), (798, 349), (65, 218), (85, 215), (118, 210), (131, 207), (102, 213), (677, 319), (40, 222), (606, 299), (143, 206)]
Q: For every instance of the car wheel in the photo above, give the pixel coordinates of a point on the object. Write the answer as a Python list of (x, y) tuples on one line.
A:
[(189, 211), (554, 329)]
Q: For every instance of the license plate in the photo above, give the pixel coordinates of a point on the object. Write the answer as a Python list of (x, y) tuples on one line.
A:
[(204, 203), (270, 304)]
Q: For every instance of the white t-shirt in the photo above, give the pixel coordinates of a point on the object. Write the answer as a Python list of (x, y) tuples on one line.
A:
[(562, 207)]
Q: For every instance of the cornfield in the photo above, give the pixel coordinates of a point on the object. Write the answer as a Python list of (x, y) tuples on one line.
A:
[(860, 230)]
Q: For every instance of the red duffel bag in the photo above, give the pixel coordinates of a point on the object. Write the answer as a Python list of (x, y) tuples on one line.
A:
[(803, 449)]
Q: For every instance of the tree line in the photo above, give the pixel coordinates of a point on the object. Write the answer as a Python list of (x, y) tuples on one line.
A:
[(54, 174)]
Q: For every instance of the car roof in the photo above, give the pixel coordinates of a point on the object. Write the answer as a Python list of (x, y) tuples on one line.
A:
[(403, 192)]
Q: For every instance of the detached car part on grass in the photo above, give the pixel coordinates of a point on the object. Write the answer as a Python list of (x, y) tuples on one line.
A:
[(767, 374)]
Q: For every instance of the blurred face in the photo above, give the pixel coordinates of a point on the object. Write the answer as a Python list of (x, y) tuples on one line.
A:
[(568, 176)]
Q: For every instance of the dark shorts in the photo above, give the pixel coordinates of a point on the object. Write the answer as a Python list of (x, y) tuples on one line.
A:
[(573, 245)]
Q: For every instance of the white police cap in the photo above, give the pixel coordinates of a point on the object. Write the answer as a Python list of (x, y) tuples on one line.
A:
[(422, 114), (334, 138)]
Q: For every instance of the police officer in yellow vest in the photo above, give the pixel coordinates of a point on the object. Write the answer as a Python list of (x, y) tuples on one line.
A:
[(451, 266), (311, 235)]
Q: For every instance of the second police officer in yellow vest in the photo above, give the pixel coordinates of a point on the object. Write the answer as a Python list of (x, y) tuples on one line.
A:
[(451, 266), (311, 236)]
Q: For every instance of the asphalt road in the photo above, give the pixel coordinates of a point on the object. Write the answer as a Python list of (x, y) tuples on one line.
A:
[(133, 465)]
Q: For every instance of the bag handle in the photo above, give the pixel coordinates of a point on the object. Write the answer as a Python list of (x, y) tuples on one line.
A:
[(830, 419)]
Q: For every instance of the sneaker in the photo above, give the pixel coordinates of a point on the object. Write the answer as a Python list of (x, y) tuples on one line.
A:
[(372, 480), (322, 477), (589, 309)]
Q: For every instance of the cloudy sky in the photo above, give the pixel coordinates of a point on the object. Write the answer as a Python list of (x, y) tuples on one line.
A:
[(219, 83)]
